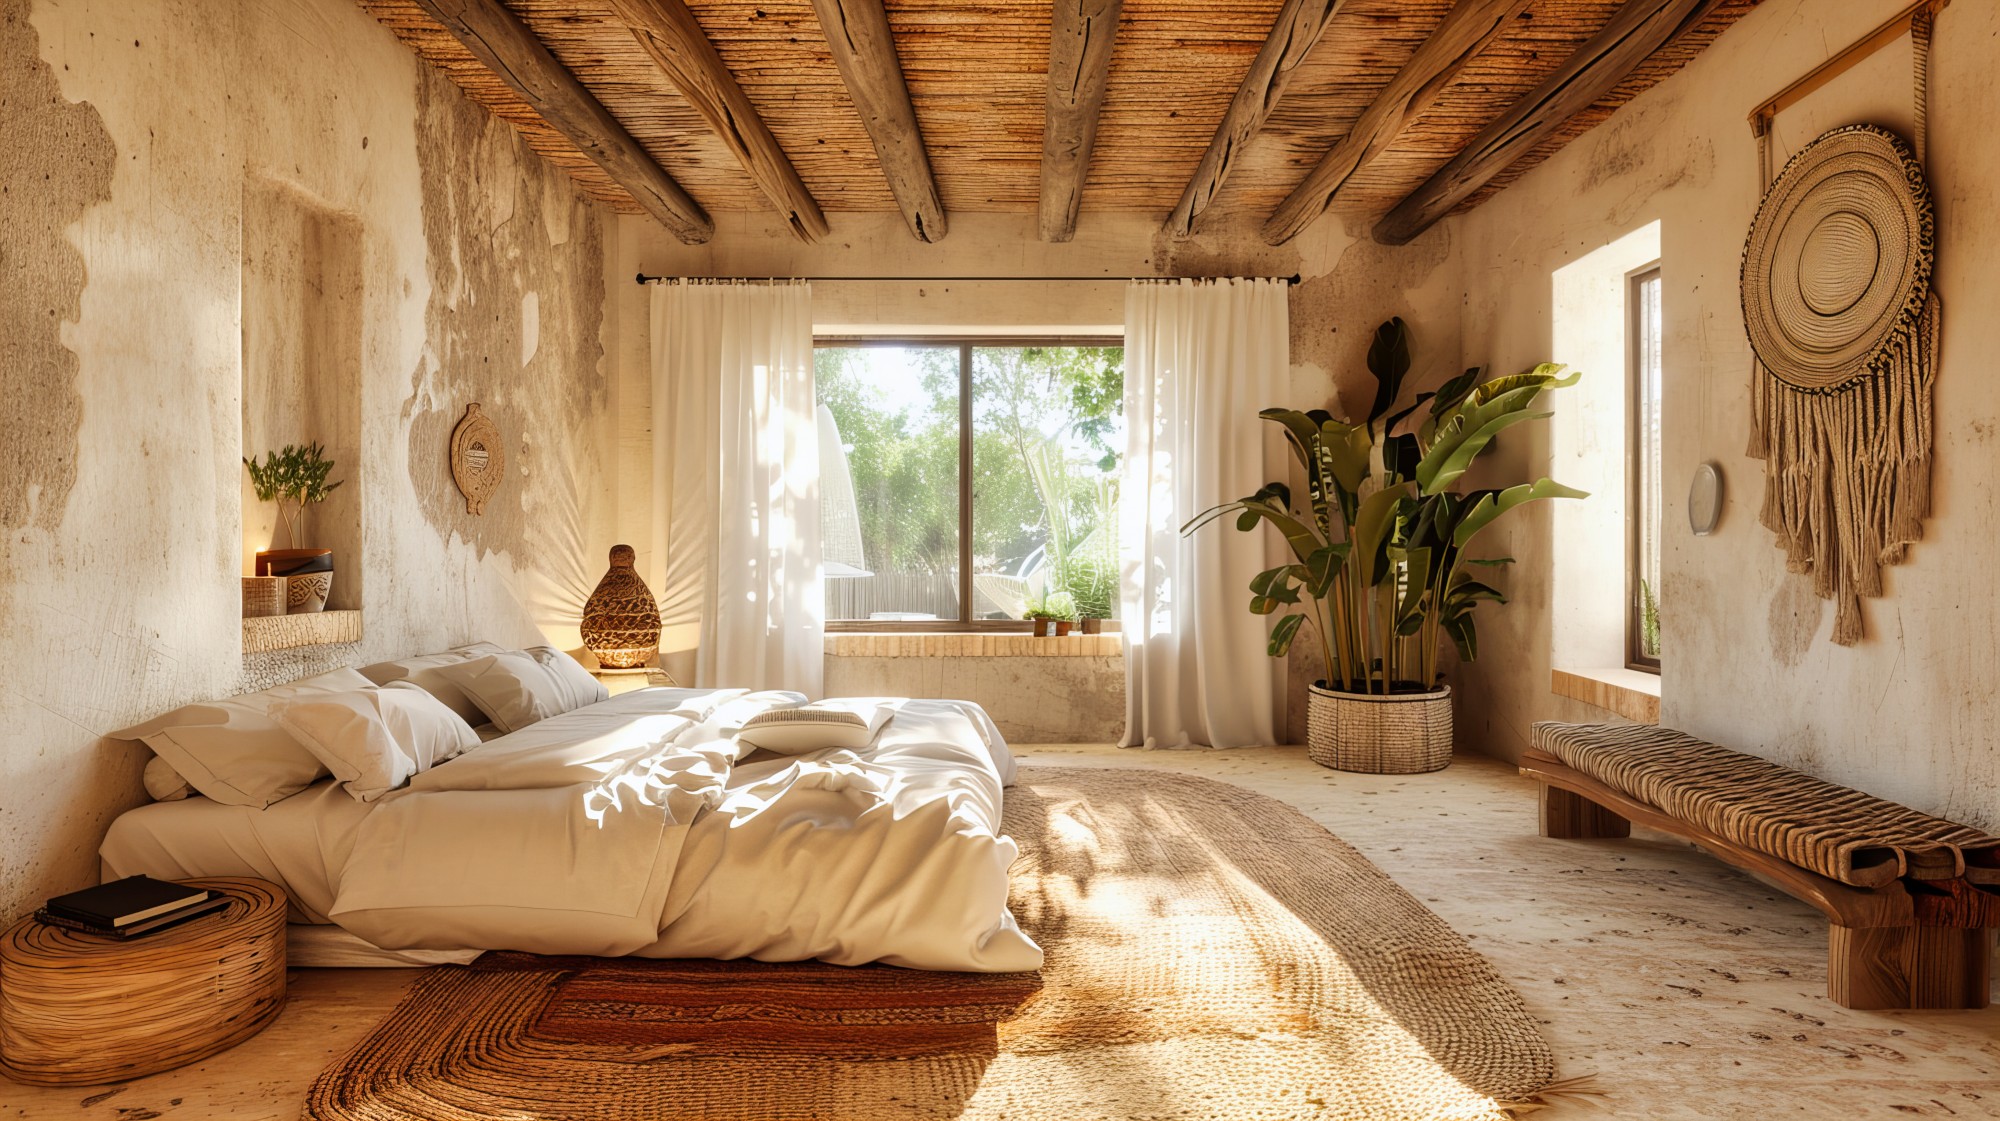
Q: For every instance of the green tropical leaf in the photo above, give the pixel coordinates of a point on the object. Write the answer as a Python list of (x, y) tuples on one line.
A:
[(1344, 449), (1464, 636), (1301, 431), (1282, 635), (1493, 504), (1389, 361), (1490, 562), (1372, 524)]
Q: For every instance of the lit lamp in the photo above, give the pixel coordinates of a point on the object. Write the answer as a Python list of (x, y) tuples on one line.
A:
[(621, 620)]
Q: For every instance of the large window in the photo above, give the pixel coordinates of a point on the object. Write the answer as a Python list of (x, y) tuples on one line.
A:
[(1643, 632), (965, 482)]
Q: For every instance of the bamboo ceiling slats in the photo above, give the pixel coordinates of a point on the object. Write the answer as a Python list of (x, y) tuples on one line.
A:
[(977, 75)]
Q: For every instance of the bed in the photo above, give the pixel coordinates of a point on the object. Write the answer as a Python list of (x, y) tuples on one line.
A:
[(638, 825)]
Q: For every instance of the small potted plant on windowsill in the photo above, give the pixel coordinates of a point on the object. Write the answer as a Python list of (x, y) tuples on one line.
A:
[(1061, 607), (1381, 569), (295, 477)]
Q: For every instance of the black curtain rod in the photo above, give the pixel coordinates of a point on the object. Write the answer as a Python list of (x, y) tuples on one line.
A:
[(644, 279)]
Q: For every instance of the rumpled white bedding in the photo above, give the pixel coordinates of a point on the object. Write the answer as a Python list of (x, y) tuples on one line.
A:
[(633, 827)]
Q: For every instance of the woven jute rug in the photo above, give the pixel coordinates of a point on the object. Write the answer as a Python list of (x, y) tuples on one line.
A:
[(1211, 954)]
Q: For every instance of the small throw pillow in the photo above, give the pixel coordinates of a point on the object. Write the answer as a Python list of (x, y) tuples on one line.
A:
[(163, 783), (816, 727), (423, 671), (232, 751), (516, 688), (374, 740)]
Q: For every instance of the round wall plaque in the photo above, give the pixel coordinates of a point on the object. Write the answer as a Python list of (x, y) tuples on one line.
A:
[(1705, 500), (478, 461)]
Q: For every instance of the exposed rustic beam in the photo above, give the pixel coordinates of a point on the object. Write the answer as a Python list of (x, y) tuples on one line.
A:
[(498, 38), (1080, 37), (1465, 31), (1299, 25), (865, 52), (669, 32), (1634, 33)]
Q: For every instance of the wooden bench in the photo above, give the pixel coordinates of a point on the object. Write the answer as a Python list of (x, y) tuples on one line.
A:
[(1912, 900)]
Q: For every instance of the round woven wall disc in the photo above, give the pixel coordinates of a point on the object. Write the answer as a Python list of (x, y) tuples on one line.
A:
[(1839, 255)]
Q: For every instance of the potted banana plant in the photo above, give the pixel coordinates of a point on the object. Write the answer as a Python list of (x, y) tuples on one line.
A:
[(1381, 573)]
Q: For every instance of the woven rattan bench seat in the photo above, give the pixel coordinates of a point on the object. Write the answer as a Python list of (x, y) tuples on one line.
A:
[(1843, 834)]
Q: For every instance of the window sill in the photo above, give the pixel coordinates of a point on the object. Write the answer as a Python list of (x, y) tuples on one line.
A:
[(288, 632), (1627, 692), (964, 645)]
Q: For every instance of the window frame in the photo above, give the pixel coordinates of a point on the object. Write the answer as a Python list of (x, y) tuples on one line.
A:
[(966, 344), (1636, 657)]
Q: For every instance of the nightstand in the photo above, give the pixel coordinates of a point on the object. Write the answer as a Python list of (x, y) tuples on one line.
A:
[(79, 1008)]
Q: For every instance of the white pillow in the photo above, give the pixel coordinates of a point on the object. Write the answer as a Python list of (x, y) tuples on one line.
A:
[(375, 739), (423, 670), (163, 783), (232, 751), (816, 727), (516, 688)]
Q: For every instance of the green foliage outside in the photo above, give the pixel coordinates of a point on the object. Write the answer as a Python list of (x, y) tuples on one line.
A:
[(1649, 621), (1046, 434)]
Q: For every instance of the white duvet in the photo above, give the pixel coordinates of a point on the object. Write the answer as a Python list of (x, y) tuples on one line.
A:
[(641, 826)]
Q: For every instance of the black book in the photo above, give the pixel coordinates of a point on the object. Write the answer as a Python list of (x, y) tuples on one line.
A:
[(194, 910), (124, 902)]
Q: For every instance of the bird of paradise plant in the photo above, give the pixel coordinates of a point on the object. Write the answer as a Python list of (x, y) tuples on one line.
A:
[(1380, 570)]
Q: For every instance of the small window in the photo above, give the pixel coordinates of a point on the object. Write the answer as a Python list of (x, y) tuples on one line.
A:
[(963, 480), (1643, 637)]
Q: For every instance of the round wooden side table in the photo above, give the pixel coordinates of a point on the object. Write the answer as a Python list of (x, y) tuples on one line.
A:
[(80, 1008)]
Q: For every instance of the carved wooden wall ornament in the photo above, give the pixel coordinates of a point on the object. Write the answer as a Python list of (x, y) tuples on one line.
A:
[(478, 460)]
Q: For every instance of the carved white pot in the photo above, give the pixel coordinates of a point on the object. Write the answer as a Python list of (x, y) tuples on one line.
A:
[(1400, 734)]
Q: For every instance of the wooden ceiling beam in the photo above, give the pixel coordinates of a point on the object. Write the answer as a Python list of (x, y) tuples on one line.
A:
[(1464, 33), (669, 32), (865, 51), (1299, 25), (1633, 34), (1081, 33), (507, 47)]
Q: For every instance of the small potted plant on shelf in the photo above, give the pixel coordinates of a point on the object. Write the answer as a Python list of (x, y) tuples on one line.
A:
[(1037, 612), (1061, 608), (1380, 569), (295, 478)]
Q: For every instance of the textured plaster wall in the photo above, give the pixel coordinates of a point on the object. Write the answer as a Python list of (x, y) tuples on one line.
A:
[(1908, 714), (1349, 286), (134, 130)]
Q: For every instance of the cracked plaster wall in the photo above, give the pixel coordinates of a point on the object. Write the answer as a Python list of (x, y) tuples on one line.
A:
[(132, 129)]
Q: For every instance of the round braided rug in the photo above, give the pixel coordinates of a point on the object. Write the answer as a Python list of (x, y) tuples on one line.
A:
[(1838, 258), (1211, 954)]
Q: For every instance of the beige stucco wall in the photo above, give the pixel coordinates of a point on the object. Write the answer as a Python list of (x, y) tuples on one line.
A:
[(480, 277), (1908, 714), (1349, 285)]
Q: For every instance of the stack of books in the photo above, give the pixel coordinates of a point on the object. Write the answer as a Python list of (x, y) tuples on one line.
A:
[(130, 907)]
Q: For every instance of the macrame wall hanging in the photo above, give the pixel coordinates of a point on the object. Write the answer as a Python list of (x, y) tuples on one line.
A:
[(1838, 303)]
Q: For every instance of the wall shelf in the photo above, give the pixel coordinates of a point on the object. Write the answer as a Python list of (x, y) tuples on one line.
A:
[(286, 632)]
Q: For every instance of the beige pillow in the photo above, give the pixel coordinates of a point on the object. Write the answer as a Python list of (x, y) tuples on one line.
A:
[(232, 751), (816, 727), (163, 783), (516, 688), (423, 670), (373, 740)]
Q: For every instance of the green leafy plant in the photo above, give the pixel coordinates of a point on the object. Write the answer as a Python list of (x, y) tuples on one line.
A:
[(294, 477), (1649, 621), (1380, 570)]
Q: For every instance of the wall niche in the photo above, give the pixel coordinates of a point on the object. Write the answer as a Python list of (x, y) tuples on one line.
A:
[(302, 338)]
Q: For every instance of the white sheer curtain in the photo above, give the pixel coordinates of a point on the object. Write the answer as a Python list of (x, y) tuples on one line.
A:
[(736, 514), (1201, 358)]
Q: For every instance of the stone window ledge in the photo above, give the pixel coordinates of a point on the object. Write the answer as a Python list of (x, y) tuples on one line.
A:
[(947, 645), (286, 632), (1628, 692)]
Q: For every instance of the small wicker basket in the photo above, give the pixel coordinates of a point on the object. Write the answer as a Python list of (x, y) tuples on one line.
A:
[(1400, 734)]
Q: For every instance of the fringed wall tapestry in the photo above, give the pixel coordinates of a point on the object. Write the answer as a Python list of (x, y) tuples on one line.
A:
[(1838, 302)]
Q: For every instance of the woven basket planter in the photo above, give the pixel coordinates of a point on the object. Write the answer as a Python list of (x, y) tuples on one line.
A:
[(1400, 734)]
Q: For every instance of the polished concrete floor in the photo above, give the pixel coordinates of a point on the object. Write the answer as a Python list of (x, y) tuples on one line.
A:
[(1681, 987)]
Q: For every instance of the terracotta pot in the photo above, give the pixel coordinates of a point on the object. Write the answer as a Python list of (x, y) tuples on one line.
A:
[(1042, 627), (1400, 734), (621, 620), (1063, 626), (1093, 626)]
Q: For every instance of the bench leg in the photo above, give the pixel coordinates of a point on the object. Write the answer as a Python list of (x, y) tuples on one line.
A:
[(1572, 817), (1908, 967)]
